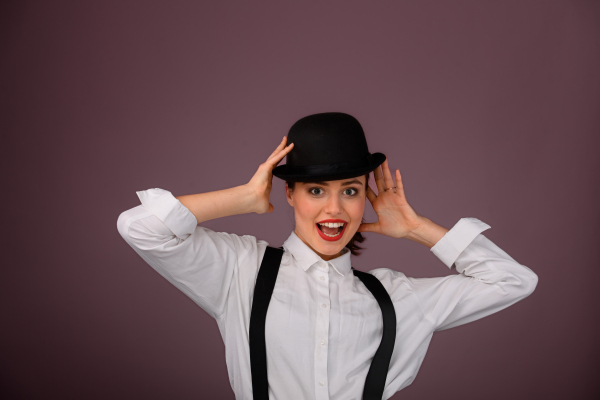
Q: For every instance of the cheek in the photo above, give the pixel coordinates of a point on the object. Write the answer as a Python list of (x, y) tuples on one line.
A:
[(305, 212), (355, 212), (356, 209)]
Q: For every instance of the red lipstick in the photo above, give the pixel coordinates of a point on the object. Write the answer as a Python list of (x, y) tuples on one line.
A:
[(336, 237)]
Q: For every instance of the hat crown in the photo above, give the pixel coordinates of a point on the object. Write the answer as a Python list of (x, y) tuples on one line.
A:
[(326, 138), (327, 146)]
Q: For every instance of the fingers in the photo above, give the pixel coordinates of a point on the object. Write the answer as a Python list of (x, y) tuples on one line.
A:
[(371, 194), (379, 180), (280, 147), (399, 185), (387, 175), (275, 159)]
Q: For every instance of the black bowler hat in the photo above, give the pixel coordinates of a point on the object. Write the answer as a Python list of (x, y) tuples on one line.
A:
[(327, 147)]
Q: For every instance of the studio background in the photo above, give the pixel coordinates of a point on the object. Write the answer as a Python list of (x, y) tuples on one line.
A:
[(490, 109)]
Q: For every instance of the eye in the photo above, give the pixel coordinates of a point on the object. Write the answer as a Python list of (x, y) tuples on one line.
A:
[(350, 191), (315, 191)]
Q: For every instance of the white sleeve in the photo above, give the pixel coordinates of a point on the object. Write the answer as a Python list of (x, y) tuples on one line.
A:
[(489, 280), (198, 261)]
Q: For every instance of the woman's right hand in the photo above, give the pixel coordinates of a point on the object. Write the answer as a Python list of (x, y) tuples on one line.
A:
[(262, 181)]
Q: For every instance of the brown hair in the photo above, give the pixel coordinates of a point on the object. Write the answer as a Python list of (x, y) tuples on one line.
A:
[(358, 237)]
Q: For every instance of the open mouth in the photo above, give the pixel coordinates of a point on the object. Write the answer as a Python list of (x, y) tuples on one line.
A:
[(331, 230)]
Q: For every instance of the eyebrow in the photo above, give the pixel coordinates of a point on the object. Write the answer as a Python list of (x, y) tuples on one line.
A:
[(343, 184)]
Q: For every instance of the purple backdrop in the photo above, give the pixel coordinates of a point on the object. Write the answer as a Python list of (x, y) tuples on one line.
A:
[(489, 109)]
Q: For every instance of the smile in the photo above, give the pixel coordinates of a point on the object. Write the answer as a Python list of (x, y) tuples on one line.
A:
[(331, 229)]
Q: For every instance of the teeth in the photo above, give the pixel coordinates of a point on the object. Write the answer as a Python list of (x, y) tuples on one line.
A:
[(326, 234), (331, 224)]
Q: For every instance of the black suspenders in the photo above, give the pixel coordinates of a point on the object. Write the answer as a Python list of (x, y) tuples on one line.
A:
[(375, 382), (265, 283)]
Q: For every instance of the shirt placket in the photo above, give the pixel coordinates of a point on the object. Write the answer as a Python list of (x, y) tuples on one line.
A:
[(322, 331)]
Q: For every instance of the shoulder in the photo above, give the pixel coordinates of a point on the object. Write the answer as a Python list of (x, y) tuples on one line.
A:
[(390, 276), (391, 279), (396, 283), (243, 245), (386, 273)]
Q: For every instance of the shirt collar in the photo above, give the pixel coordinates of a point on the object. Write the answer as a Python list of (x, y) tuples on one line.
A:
[(306, 257)]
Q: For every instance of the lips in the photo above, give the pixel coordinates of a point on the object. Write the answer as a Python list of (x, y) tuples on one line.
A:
[(333, 221)]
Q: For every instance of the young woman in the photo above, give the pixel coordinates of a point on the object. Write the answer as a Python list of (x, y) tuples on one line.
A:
[(331, 332)]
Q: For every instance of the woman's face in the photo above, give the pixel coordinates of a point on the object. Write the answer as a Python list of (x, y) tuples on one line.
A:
[(339, 204)]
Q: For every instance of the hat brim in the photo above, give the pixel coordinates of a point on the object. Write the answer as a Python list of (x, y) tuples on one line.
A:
[(281, 172)]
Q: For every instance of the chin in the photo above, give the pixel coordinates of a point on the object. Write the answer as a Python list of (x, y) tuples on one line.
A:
[(319, 244), (329, 250), (329, 247)]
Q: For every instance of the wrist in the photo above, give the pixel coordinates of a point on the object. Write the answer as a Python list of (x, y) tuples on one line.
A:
[(428, 233), (248, 198)]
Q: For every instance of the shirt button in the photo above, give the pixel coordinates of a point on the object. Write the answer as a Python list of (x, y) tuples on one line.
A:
[(323, 305), (322, 278), (322, 342), (322, 383)]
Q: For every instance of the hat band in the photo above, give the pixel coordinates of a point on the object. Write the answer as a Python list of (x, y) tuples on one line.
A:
[(326, 169)]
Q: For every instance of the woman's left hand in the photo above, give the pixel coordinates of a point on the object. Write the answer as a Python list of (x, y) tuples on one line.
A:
[(396, 217)]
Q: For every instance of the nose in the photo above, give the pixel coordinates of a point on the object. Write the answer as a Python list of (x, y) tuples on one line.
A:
[(333, 205)]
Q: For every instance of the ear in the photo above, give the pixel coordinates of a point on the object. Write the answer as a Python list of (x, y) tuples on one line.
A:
[(288, 195)]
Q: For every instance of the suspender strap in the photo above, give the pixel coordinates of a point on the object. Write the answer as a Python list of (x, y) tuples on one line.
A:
[(375, 382), (265, 282)]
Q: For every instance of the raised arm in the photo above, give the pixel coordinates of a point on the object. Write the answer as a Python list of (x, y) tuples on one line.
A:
[(489, 280), (163, 231), (251, 197)]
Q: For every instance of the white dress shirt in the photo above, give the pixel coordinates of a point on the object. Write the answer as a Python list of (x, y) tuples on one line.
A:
[(323, 325)]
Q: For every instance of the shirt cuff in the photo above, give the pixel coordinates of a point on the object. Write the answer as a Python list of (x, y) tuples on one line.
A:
[(449, 247), (178, 218)]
